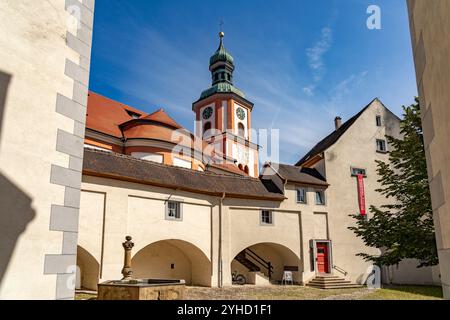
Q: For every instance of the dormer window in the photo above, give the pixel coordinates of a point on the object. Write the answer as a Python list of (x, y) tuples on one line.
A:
[(132, 114)]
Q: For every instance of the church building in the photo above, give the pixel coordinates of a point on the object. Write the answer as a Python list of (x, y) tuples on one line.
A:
[(199, 207)]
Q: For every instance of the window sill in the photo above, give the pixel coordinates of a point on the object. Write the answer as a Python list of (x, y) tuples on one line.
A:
[(382, 152), (174, 219)]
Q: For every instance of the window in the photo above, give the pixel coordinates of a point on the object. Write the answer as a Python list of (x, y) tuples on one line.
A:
[(301, 195), (358, 171), (154, 157), (207, 128), (381, 146), (320, 197), (378, 120), (177, 162), (88, 146), (266, 217), (132, 114), (241, 130), (173, 210)]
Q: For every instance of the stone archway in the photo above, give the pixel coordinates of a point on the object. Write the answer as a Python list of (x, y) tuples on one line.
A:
[(173, 259), (254, 262), (88, 270)]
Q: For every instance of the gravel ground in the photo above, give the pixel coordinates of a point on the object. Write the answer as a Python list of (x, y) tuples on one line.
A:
[(272, 293)]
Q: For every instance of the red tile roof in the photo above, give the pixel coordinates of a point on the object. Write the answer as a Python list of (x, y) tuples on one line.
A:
[(162, 117), (105, 115)]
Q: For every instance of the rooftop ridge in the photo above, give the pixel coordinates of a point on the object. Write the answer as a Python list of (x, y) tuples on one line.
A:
[(119, 155)]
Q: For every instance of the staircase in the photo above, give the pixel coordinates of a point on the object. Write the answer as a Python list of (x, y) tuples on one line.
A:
[(331, 282), (241, 257)]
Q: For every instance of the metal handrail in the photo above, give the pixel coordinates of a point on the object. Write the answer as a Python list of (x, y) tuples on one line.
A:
[(339, 269), (261, 261)]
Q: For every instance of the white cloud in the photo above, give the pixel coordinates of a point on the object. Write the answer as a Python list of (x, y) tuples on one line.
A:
[(315, 53), (351, 82), (309, 90)]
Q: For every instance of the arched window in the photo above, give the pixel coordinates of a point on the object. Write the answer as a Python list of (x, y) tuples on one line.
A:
[(206, 128), (241, 167), (241, 130), (246, 170)]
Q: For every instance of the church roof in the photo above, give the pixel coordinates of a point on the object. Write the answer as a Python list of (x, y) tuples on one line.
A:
[(221, 55), (333, 137), (221, 87), (126, 168), (162, 117), (105, 115)]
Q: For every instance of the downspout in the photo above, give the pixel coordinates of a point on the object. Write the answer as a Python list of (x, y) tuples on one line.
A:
[(220, 242)]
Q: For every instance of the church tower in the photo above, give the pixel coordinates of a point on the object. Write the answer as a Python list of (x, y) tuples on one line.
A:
[(223, 116)]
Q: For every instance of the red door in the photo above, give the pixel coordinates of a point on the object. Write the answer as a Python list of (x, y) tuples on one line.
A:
[(323, 265)]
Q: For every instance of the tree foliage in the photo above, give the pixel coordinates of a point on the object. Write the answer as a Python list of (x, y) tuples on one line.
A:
[(403, 228)]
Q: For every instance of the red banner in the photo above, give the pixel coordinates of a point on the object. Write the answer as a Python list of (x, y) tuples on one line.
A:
[(361, 195)]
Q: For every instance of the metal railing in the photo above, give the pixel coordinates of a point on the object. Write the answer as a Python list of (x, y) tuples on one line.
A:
[(265, 264), (339, 269)]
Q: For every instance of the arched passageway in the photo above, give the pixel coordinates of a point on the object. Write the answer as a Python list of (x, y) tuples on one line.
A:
[(88, 270), (173, 259), (265, 263)]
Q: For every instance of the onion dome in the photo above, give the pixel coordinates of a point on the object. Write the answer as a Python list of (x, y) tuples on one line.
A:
[(221, 55), (221, 66)]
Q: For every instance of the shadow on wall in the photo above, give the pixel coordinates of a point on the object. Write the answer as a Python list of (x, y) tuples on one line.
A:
[(15, 206)]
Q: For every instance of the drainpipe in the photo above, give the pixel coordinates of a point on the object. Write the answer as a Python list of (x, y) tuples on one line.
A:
[(220, 242)]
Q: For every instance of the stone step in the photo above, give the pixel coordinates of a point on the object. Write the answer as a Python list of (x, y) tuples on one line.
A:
[(342, 286), (330, 282), (328, 277)]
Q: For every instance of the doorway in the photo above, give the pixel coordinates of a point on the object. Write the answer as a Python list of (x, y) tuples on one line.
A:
[(323, 260)]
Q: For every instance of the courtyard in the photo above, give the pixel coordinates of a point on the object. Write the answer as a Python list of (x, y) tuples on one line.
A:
[(304, 293)]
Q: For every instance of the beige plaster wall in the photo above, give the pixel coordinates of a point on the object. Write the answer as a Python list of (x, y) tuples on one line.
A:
[(408, 273), (357, 148), (33, 54), (312, 226), (139, 211), (88, 270), (154, 262), (192, 244), (429, 24)]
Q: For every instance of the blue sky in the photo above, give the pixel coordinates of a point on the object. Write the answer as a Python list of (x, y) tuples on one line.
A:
[(301, 62)]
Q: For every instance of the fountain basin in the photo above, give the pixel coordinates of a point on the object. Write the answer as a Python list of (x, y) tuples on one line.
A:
[(142, 289)]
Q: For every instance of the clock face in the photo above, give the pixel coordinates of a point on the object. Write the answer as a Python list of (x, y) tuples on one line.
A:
[(207, 113), (240, 114)]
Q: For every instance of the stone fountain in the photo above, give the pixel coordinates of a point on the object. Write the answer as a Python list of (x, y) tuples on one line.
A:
[(139, 289)]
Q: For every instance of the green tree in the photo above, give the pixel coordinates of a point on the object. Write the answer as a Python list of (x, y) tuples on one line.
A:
[(404, 229)]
